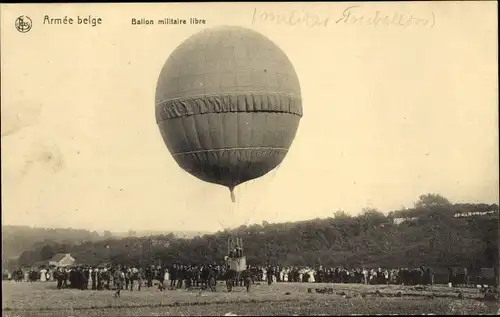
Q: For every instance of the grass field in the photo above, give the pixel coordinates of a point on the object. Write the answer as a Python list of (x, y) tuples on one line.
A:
[(43, 299)]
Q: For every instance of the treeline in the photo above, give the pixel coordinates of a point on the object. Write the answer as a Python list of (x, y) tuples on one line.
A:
[(29, 242), (16, 239), (436, 239), (428, 204)]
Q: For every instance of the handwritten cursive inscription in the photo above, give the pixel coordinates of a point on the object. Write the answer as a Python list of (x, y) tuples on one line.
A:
[(291, 18), (352, 15)]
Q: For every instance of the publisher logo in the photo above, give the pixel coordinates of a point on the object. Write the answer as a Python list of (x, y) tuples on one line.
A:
[(23, 24)]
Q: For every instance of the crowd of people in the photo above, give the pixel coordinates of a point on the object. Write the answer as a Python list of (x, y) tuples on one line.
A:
[(205, 276), (360, 275), (28, 275)]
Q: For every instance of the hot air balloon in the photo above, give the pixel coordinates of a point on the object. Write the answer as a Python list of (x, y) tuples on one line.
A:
[(228, 105)]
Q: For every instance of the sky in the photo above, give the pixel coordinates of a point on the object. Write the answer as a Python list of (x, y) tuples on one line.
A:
[(390, 113)]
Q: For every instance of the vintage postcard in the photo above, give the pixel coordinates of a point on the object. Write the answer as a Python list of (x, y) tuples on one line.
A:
[(233, 159)]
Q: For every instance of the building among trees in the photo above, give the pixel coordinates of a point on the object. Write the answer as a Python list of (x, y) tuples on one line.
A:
[(62, 260)]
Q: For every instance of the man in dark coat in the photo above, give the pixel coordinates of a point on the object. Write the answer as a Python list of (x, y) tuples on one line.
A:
[(173, 276), (247, 279), (60, 277), (451, 277), (119, 278), (270, 273), (180, 276), (94, 278), (99, 279), (212, 278), (161, 276), (149, 276)]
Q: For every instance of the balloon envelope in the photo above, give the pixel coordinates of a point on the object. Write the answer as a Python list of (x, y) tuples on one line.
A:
[(228, 105)]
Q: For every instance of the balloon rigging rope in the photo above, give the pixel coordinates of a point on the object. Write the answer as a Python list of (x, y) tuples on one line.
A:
[(234, 212), (238, 202), (236, 206), (257, 202)]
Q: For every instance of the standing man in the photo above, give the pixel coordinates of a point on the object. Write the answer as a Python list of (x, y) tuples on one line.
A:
[(61, 277), (149, 276), (161, 276), (134, 276), (247, 279), (212, 278), (93, 273), (270, 275), (139, 279), (119, 278), (451, 277), (180, 275), (99, 279), (173, 276), (127, 277)]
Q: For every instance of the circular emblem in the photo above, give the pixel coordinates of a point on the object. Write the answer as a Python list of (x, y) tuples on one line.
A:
[(23, 24)]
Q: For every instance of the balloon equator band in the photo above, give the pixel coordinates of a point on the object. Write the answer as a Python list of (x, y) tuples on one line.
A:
[(173, 108), (232, 149), (243, 93)]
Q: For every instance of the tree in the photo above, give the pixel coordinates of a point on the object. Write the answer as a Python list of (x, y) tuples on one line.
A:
[(107, 234), (341, 214), (29, 257), (47, 252), (491, 254), (373, 216), (433, 241), (430, 199), (62, 247)]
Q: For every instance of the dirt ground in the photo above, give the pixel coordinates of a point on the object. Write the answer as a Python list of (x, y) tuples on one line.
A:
[(44, 299)]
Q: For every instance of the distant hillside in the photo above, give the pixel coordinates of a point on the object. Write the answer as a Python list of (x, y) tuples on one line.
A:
[(459, 209), (436, 238), (18, 239), (146, 233)]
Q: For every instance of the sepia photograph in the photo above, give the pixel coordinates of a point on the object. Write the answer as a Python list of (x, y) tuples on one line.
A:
[(250, 159)]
